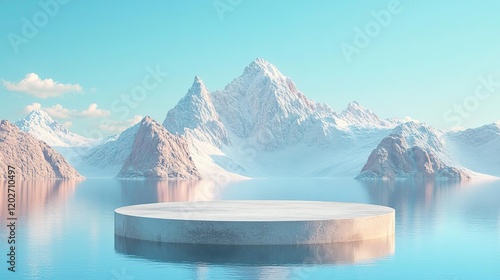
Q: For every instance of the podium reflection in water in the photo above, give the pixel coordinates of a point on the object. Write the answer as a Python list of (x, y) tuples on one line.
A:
[(335, 253)]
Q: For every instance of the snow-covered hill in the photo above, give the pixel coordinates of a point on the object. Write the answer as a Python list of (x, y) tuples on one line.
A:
[(32, 158), (478, 149)]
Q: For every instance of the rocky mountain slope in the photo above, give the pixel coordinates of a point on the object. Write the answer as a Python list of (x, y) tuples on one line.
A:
[(145, 150), (412, 150), (156, 153), (107, 159), (32, 158)]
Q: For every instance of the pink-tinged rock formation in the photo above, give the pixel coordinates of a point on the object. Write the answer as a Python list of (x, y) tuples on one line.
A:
[(32, 158), (156, 153), (395, 158)]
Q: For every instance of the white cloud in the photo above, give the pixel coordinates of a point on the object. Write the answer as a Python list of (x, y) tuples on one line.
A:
[(410, 119), (32, 107), (94, 112), (34, 86), (67, 124), (59, 112), (119, 126)]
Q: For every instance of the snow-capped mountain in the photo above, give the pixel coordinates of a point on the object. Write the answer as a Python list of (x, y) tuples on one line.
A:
[(412, 150), (195, 114), (70, 145), (40, 125), (260, 120), (264, 105), (261, 125), (32, 158), (355, 114), (478, 149), (156, 153)]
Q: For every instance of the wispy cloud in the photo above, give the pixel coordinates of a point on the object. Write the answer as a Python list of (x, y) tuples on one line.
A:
[(58, 111), (67, 124), (119, 126), (34, 86)]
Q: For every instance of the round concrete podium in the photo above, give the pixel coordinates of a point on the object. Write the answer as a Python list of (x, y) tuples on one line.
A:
[(254, 222)]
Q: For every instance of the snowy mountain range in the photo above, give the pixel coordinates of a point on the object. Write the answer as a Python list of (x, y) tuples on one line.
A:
[(71, 145), (39, 124), (260, 125)]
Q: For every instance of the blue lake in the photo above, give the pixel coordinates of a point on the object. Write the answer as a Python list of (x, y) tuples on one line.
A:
[(65, 231)]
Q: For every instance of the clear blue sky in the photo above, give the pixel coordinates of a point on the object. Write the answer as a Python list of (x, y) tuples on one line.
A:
[(421, 63)]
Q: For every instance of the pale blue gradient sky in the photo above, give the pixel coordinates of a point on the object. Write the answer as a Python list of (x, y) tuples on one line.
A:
[(427, 58)]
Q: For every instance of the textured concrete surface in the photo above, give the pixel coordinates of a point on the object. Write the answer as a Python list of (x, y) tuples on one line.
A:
[(259, 222)]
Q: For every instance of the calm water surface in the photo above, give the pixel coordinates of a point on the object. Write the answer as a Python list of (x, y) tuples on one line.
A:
[(65, 231)]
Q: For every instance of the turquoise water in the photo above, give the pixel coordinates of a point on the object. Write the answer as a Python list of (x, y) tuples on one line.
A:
[(65, 231)]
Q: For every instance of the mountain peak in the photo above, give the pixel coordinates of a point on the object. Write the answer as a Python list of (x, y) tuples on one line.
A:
[(6, 125), (357, 114), (411, 125), (355, 106), (156, 153), (261, 62), (147, 120), (263, 67), (40, 125), (198, 81), (39, 116), (40, 119), (198, 87), (38, 112)]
